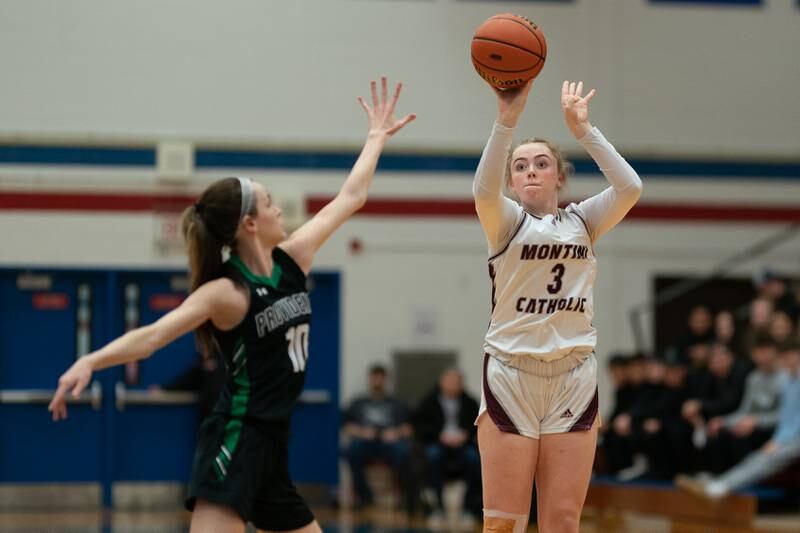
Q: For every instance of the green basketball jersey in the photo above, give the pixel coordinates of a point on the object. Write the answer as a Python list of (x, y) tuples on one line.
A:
[(266, 353)]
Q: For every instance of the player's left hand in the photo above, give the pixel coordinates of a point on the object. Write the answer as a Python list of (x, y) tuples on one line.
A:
[(381, 114), (576, 107)]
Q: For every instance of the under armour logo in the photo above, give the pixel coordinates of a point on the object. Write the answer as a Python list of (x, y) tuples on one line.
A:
[(567, 414), (261, 291)]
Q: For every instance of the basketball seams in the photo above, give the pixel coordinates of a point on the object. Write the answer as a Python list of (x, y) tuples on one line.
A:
[(531, 52), (525, 25), (489, 67)]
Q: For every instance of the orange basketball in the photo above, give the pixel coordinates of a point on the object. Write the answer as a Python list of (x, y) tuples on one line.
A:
[(508, 50)]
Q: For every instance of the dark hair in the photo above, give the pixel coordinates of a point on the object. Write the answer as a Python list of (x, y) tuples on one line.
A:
[(764, 340), (377, 369), (636, 357), (789, 346), (617, 360), (207, 226)]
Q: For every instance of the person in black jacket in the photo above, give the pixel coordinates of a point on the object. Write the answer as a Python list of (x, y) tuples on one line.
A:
[(444, 424), (718, 393), (206, 377)]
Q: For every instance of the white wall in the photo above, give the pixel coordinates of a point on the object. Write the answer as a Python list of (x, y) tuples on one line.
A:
[(671, 79), (430, 264)]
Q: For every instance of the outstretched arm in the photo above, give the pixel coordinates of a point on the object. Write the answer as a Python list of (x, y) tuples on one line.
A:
[(216, 299), (304, 243), (605, 210), (498, 214)]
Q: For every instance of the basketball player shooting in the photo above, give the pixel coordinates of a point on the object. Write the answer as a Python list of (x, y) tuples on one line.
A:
[(539, 405)]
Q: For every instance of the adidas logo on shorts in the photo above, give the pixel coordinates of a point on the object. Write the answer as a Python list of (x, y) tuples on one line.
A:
[(567, 414)]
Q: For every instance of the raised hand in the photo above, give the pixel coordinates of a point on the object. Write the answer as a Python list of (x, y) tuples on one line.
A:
[(511, 103), (381, 115), (75, 380), (576, 107)]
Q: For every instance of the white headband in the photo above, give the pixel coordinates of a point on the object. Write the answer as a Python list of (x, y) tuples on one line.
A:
[(247, 196)]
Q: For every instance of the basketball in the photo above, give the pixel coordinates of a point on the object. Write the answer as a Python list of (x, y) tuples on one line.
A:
[(508, 50)]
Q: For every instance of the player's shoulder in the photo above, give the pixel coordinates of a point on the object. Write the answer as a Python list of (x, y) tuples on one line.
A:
[(224, 292)]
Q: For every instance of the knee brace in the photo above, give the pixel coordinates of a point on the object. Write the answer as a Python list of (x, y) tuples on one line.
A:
[(502, 522)]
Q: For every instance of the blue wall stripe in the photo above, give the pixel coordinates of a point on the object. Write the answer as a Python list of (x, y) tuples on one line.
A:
[(71, 155), (710, 2), (408, 162), (467, 164)]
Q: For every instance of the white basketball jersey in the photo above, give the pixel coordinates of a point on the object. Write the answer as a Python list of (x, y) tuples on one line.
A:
[(542, 281)]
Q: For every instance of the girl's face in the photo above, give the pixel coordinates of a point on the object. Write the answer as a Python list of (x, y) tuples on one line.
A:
[(267, 224), (534, 175)]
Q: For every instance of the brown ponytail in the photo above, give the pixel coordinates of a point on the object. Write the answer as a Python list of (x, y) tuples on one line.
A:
[(207, 226)]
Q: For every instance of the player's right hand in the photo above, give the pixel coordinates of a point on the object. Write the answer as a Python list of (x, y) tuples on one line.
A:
[(73, 380), (511, 103)]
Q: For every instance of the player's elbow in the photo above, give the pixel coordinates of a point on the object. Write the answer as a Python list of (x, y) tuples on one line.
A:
[(353, 200), (634, 191)]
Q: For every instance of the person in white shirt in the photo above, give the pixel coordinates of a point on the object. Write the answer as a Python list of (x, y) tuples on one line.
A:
[(540, 373)]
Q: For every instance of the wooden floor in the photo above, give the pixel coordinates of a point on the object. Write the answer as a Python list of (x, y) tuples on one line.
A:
[(376, 521)]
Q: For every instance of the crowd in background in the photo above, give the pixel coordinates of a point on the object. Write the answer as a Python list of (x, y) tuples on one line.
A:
[(717, 398), (425, 446), (720, 394)]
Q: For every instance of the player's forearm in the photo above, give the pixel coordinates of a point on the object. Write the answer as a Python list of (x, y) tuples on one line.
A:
[(356, 186), (134, 345), (488, 182), (622, 177)]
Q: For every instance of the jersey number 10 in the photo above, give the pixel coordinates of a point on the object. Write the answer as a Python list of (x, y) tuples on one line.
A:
[(298, 346)]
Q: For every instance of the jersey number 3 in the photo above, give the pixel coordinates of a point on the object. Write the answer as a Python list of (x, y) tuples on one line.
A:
[(558, 270), (298, 346)]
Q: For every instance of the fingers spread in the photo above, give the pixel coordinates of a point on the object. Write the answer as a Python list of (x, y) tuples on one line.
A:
[(373, 88), (408, 118), (396, 94), (363, 104)]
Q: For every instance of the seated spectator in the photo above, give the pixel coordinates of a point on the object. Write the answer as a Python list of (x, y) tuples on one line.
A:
[(623, 441), (781, 327), (780, 451), (719, 394), (624, 390), (617, 438), (725, 332), (732, 437), (377, 428), (206, 377), (758, 318), (445, 425), (664, 435), (700, 328), (775, 288)]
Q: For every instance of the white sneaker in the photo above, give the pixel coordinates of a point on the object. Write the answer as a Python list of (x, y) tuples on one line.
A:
[(706, 489), (716, 490), (639, 467)]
